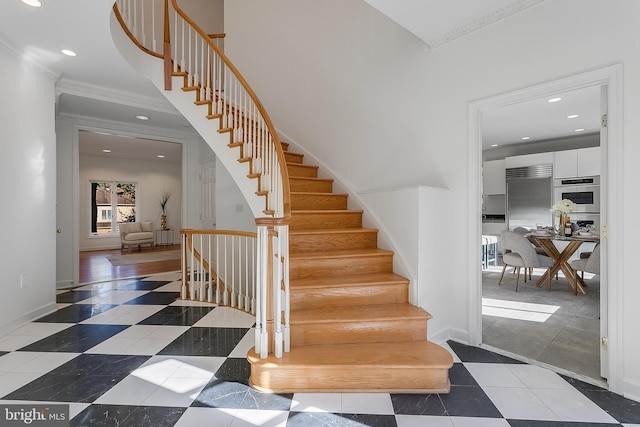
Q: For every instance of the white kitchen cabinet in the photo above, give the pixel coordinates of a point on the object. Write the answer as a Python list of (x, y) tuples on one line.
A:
[(575, 163), (565, 164), (589, 161), (529, 160), (493, 177)]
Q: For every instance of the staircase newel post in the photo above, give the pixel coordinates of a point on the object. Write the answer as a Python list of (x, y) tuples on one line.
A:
[(167, 48)]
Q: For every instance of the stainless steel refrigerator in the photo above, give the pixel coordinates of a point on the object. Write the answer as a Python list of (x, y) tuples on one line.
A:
[(529, 196)]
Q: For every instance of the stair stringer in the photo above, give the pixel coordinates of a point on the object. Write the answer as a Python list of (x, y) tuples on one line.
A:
[(153, 69)]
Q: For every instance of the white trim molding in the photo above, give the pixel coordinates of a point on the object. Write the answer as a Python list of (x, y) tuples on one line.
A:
[(613, 167)]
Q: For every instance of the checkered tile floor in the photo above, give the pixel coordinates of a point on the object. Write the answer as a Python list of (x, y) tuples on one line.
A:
[(127, 353)]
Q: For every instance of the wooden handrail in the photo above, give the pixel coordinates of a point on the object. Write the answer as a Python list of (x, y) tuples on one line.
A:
[(133, 38), (279, 150)]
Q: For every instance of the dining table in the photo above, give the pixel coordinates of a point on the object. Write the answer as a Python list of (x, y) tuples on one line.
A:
[(561, 257)]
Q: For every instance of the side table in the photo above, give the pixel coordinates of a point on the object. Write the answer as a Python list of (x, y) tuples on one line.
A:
[(164, 237)]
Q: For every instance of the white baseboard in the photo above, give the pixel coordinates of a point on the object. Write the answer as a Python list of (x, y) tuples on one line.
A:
[(28, 317)]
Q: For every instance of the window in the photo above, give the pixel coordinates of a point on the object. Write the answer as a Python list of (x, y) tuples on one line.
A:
[(104, 204)]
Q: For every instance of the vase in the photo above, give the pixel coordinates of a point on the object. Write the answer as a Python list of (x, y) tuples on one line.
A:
[(562, 221), (163, 222)]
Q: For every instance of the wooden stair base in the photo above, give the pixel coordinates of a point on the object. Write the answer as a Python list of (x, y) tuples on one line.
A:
[(399, 367)]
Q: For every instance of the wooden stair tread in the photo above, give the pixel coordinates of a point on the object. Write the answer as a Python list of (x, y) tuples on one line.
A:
[(380, 312), (411, 354), (324, 211), (310, 178), (315, 193), (342, 254), (333, 231), (371, 279)]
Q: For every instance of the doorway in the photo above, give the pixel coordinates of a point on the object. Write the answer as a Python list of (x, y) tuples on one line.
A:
[(610, 78)]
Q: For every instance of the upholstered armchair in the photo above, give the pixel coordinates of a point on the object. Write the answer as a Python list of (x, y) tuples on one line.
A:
[(136, 234)]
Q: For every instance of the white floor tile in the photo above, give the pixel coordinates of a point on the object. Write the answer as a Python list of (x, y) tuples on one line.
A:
[(519, 403), (246, 343), (227, 317), (170, 287), (116, 297), (175, 391), (200, 417), (493, 375), (124, 315), (456, 359), (180, 366), (130, 391), (113, 345), (141, 340), (317, 402), (11, 381), (41, 329), (367, 403), (479, 422), (257, 417), (571, 405), (422, 421), (189, 303), (38, 362), (538, 377)]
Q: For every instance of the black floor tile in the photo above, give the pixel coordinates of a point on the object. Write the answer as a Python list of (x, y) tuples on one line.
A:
[(82, 379), (76, 339), (2, 353), (76, 313), (101, 364), (205, 342), (312, 419), (418, 404), (234, 369), (177, 315), (267, 401), (222, 394), (75, 296), (620, 408), (468, 353), (469, 401), (536, 423), (122, 415), (144, 285), (460, 375), (156, 298)]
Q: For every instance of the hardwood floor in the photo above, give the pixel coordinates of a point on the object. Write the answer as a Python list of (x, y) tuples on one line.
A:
[(95, 267)]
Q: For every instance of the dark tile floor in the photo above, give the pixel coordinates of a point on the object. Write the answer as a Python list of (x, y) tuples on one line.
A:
[(128, 353)]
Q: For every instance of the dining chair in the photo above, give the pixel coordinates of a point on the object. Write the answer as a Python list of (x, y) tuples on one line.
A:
[(519, 252), (590, 264)]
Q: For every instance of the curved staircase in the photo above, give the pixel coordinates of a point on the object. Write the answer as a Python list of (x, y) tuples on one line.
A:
[(352, 327)]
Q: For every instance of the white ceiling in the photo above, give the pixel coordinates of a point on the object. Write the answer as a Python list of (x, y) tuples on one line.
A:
[(99, 83)]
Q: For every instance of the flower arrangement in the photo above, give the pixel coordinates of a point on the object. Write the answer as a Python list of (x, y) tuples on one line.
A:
[(564, 206), (164, 198)]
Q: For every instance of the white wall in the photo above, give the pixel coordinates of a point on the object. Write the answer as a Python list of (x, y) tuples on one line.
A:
[(232, 210), (152, 179), (28, 187), (367, 97)]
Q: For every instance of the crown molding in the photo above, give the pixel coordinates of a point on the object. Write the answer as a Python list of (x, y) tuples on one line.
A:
[(480, 21), (163, 134), (15, 53), (102, 93)]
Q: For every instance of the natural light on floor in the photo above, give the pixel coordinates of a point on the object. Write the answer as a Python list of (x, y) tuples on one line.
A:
[(517, 310)]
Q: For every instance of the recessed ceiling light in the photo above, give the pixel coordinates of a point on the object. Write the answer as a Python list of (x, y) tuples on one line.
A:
[(555, 100), (141, 117), (161, 156), (572, 116), (524, 138), (68, 52), (106, 151), (579, 130), (34, 3), (494, 145)]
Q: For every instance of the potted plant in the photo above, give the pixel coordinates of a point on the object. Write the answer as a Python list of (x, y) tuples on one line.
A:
[(164, 198)]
